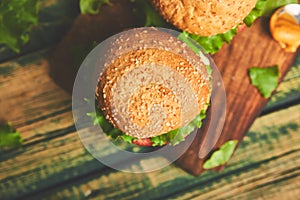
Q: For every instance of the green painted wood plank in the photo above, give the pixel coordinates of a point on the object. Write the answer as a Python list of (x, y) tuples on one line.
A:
[(36, 167), (270, 149), (269, 180)]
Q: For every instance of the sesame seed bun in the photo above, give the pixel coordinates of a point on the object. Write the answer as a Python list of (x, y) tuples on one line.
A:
[(204, 17), (153, 84)]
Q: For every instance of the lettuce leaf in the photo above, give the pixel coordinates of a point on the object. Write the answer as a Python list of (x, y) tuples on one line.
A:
[(214, 43), (221, 156), (176, 136), (265, 79), (172, 137), (16, 20), (272, 5), (256, 12), (98, 118), (91, 6)]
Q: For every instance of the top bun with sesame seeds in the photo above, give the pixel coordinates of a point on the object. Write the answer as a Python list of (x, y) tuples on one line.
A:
[(204, 17), (152, 83)]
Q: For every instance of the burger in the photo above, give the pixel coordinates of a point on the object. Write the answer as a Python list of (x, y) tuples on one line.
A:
[(154, 88), (204, 18), (209, 22)]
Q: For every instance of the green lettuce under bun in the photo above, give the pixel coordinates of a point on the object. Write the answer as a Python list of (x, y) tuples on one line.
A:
[(213, 44), (172, 137)]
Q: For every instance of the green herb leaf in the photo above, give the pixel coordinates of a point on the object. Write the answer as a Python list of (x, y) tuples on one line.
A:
[(256, 12), (98, 118), (91, 6), (178, 135), (272, 5), (221, 156), (173, 137), (198, 120), (214, 43), (126, 138), (9, 137), (158, 140), (265, 8), (16, 20), (265, 79)]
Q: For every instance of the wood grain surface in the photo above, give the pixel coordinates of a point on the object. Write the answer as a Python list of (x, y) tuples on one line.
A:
[(53, 164)]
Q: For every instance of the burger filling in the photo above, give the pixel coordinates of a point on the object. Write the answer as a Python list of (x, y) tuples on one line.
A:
[(172, 137)]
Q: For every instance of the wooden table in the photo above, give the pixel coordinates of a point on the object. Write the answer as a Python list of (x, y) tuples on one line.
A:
[(53, 164)]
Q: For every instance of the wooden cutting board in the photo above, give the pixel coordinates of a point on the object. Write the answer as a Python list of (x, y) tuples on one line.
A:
[(251, 47)]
